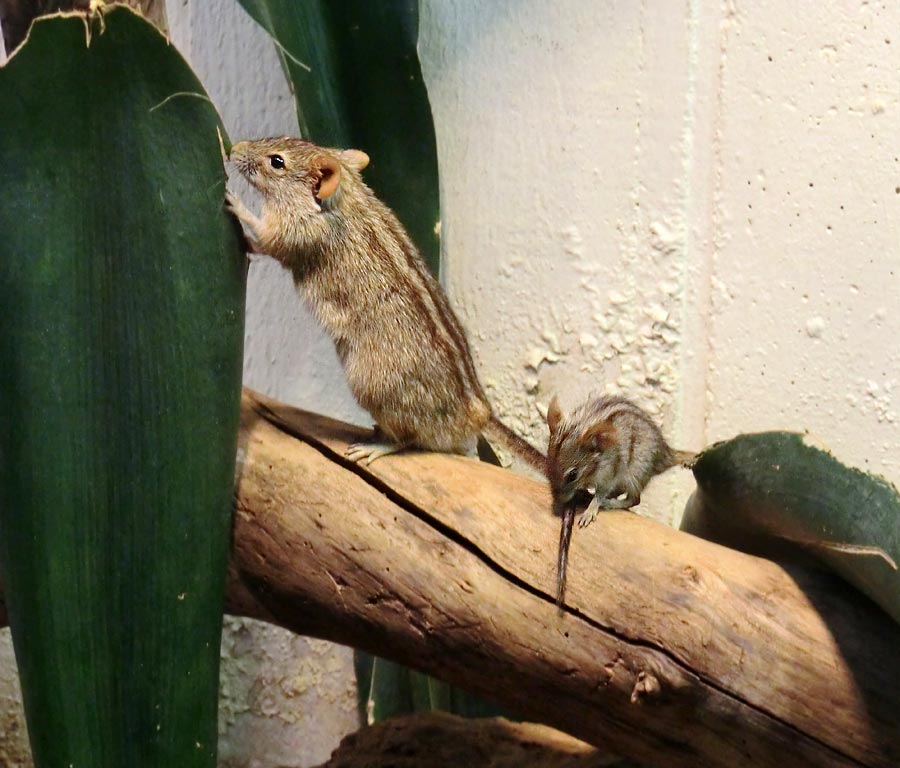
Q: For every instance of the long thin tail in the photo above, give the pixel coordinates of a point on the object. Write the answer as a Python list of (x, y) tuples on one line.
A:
[(565, 538), (684, 458), (497, 432)]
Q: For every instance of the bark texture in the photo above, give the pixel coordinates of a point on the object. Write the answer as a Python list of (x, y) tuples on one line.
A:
[(436, 739)]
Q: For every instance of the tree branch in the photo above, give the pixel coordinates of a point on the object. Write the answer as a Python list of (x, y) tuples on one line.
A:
[(429, 739), (672, 650)]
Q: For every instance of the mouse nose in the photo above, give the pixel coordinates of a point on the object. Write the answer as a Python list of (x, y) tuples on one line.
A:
[(238, 151)]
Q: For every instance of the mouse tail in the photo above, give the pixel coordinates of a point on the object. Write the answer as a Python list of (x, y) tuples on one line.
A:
[(567, 521), (497, 433), (684, 458), (669, 458)]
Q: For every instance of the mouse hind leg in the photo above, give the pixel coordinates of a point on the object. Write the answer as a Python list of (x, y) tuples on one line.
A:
[(381, 444), (366, 453)]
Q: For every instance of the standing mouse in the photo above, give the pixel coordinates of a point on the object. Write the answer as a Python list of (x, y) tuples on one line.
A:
[(403, 350), (608, 446)]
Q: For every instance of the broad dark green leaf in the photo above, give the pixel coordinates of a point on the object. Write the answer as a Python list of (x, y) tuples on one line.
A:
[(356, 76), (390, 689), (387, 689), (121, 331), (779, 494)]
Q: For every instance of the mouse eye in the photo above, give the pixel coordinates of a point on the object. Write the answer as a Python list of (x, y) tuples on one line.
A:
[(277, 161), (571, 476)]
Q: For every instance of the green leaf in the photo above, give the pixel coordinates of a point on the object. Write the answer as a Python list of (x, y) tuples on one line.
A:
[(387, 689), (121, 331), (391, 691), (781, 495), (356, 76)]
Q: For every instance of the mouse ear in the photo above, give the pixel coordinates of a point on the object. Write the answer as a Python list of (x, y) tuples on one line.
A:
[(330, 170), (600, 436), (554, 414), (355, 158)]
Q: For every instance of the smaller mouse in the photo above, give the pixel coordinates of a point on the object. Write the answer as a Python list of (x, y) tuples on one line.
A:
[(608, 447)]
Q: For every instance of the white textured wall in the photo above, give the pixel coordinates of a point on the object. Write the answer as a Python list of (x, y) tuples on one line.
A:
[(564, 134), (695, 204), (804, 324)]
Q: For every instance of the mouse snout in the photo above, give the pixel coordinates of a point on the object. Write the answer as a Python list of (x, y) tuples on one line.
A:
[(244, 160), (238, 151)]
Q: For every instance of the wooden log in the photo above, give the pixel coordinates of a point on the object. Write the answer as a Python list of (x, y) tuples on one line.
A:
[(672, 650), (429, 739)]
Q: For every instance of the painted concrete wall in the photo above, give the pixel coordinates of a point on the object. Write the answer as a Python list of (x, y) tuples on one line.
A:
[(696, 204)]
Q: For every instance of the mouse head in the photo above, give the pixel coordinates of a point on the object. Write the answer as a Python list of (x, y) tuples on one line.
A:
[(580, 454), (295, 173)]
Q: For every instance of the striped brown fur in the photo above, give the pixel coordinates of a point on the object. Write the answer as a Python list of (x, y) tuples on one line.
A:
[(607, 446), (404, 351)]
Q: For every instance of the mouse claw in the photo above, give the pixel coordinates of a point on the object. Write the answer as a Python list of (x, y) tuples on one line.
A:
[(586, 518), (366, 453), (235, 206), (590, 514)]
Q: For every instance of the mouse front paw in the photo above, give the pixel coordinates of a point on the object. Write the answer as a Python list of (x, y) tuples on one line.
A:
[(234, 204), (590, 514), (252, 225)]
